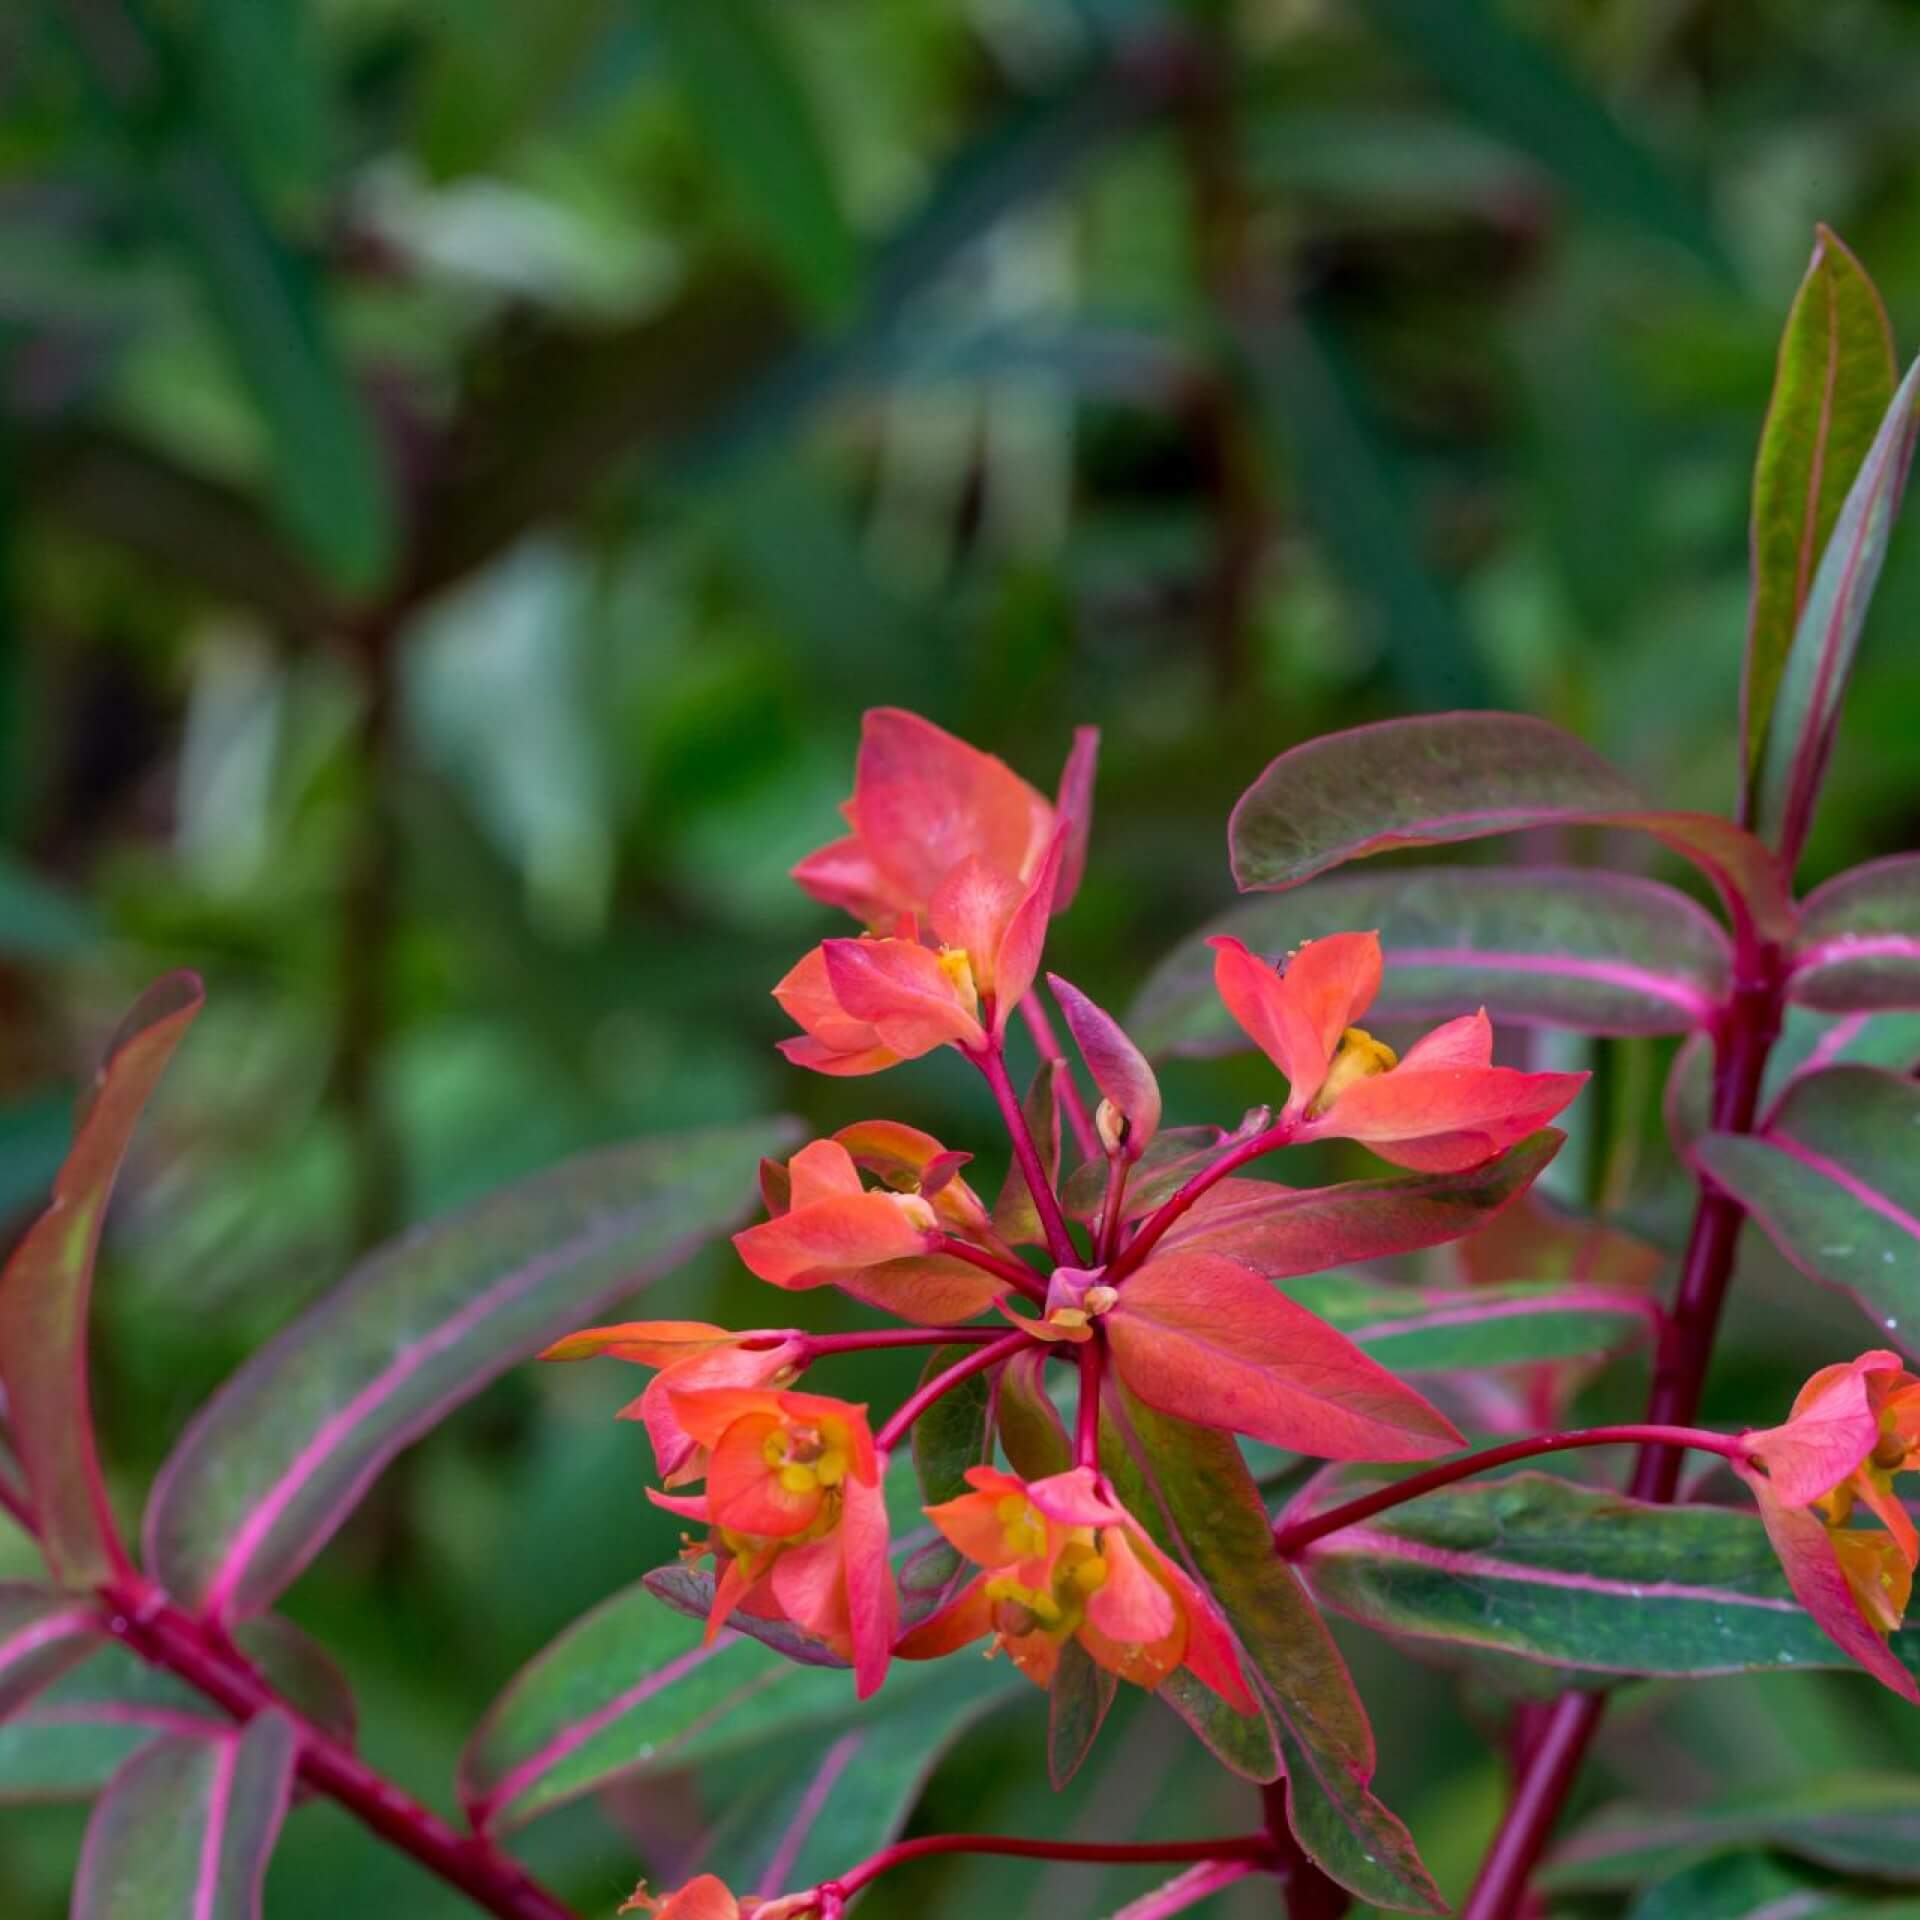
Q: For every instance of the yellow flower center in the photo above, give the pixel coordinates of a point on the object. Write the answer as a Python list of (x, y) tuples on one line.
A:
[(1023, 1530), (803, 1458), (959, 969), (1359, 1056)]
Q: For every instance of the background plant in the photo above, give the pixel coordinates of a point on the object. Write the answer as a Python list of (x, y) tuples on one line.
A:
[(516, 942)]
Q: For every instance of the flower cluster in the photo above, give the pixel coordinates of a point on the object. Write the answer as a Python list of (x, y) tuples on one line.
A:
[(1851, 1429)]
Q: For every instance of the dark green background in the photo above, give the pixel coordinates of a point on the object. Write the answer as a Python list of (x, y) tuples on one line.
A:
[(464, 468)]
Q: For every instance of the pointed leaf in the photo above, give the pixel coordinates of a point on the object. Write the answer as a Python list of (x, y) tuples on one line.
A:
[(284, 1451), (1813, 678), (48, 1282), (1427, 1330), (1572, 1577), (1835, 377), (1836, 1185), (1859, 942), (1543, 946), (1031, 1430), (1748, 1886), (1119, 1070), (1200, 1336), (1190, 1484), (1445, 777), (1861, 1823), (1284, 1231), (955, 1433), (43, 1633), (1078, 1699), (184, 1830)]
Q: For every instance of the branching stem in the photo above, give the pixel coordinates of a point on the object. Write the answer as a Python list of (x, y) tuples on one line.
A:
[(1239, 1846), (1048, 1047), (1279, 1135), (910, 1410), (992, 1062), (1014, 1272)]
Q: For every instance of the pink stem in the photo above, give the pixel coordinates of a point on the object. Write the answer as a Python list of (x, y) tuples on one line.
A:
[(1188, 1889), (1002, 1348), (992, 1062), (1016, 1273), (1107, 1240), (165, 1637), (1084, 1135), (1290, 1539), (819, 1346), (1239, 1846), (1086, 1428), (1278, 1135)]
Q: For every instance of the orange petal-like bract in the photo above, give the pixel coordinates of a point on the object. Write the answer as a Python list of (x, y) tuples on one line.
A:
[(1061, 1559), (1442, 1109)]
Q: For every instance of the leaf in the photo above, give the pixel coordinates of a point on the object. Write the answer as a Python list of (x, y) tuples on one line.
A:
[(1426, 1330), (47, 1284), (955, 1433), (1836, 1185), (1118, 1069), (1543, 1570), (77, 1734), (1860, 1823), (1202, 1337), (1172, 1158), (285, 1450), (1031, 1430), (1859, 942), (1285, 1231), (761, 132), (1439, 778), (1738, 1886), (1078, 1700), (43, 1633), (860, 1779), (1835, 378), (1511, 85), (1191, 1486), (1544, 946), (37, 921), (185, 1828), (1814, 674)]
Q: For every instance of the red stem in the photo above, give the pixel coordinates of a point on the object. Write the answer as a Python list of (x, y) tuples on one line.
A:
[(1016, 1273), (1086, 1428), (1002, 1348), (1106, 1241), (1048, 1046), (819, 1346), (1239, 1846), (1156, 1223), (1311, 1894), (1289, 1540), (993, 1063), (1749, 1024), (164, 1636)]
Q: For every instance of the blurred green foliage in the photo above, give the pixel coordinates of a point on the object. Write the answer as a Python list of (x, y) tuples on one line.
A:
[(464, 468)]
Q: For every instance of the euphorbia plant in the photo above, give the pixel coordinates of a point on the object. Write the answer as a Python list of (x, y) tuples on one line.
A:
[(1069, 1482)]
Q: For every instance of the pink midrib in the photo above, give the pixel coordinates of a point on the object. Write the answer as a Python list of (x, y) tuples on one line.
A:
[(1628, 978), (206, 1890), (1481, 1566), (1850, 1184), (1843, 947), (1572, 1300), (45, 1632), (309, 1460), (839, 1757)]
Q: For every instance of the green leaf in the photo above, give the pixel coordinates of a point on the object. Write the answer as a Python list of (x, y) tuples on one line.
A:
[(955, 1433), (1425, 1330), (1031, 1431), (43, 1632), (1835, 378), (1447, 777), (185, 1828), (1854, 1823), (1509, 84), (760, 129), (1543, 1570), (37, 921), (262, 69), (1737, 1886), (1078, 1699), (1835, 1183), (1550, 946), (1190, 1486), (48, 1282), (1819, 662), (283, 1453), (848, 1791), (1859, 942)]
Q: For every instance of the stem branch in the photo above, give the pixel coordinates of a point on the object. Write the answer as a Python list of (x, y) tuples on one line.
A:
[(992, 1062), (1239, 1846), (1016, 1273), (1290, 1539), (1071, 1098), (910, 1410), (1278, 1135)]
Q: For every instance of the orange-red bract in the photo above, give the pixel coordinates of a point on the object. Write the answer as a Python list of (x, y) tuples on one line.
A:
[(1060, 1559), (799, 1521), (1443, 1108)]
